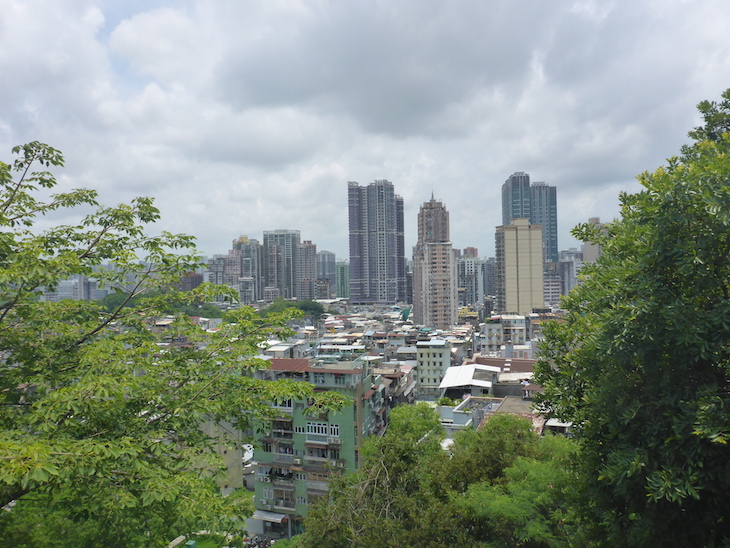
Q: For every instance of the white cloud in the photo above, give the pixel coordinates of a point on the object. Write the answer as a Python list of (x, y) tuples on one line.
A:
[(247, 116)]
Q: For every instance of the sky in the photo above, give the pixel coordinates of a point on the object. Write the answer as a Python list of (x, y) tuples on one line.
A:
[(241, 116)]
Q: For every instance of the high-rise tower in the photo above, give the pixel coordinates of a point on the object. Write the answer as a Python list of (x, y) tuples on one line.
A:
[(435, 296), (516, 197), (377, 247), (280, 261), (544, 211), (519, 267), (536, 202)]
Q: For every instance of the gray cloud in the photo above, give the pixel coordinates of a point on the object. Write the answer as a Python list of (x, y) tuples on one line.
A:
[(247, 116)]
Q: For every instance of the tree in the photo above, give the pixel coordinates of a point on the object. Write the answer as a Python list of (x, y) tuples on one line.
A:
[(383, 503), (101, 413), (411, 492), (641, 363), (311, 309), (530, 503)]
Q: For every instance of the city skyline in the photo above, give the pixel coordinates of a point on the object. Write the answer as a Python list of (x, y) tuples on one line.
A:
[(244, 117)]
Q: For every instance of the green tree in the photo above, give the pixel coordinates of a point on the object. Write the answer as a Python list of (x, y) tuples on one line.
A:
[(383, 504), (311, 309), (531, 502), (641, 363), (100, 414), (411, 492)]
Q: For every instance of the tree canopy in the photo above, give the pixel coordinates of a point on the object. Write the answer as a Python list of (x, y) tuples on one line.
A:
[(101, 410), (312, 309), (641, 363), (488, 489)]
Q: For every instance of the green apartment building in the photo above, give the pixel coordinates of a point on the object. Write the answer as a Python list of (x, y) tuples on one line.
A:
[(299, 451)]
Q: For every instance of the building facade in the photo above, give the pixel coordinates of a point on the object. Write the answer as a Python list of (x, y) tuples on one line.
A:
[(470, 272), (519, 267), (306, 274), (342, 280), (301, 449), (377, 245), (435, 292), (433, 358), (280, 261), (327, 270), (536, 202)]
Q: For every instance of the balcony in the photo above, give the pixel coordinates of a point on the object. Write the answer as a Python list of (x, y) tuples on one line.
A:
[(323, 439), (282, 434), (284, 504), (317, 485)]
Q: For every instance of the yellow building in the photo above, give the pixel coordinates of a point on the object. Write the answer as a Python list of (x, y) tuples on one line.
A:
[(519, 267)]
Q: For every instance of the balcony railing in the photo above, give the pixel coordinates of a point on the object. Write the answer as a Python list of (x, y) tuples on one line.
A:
[(284, 504), (318, 485)]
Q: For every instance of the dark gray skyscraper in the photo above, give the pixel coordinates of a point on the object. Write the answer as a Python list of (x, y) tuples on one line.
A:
[(544, 211), (516, 197), (377, 246), (536, 202), (280, 260)]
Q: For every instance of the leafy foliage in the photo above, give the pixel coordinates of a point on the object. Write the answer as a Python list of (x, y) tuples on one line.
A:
[(410, 492), (311, 309), (101, 410), (641, 363)]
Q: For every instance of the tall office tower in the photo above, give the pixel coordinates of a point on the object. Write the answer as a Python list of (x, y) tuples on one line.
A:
[(536, 202), (306, 274), (280, 261), (435, 294), (470, 272), (519, 267), (326, 268), (250, 282), (544, 211), (342, 280), (516, 197), (377, 246)]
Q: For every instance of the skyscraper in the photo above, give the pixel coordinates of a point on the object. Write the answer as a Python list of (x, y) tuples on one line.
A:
[(250, 275), (377, 246), (342, 280), (326, 269), (435, 295), (516, 197), (280, 258), (519, 267), (306, 270), (544, 211), (536, 202)]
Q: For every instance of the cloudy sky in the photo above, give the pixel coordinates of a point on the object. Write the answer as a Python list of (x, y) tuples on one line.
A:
[(241, 116)]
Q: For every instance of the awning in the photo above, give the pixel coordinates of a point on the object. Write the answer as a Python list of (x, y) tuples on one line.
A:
[(269, 516)]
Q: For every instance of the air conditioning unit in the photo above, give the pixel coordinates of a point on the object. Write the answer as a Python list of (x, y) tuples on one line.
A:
[(267, 479), (297, 461), (341, 463), (333, 462)]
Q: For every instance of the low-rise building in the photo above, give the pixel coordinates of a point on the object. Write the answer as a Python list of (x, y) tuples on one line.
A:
[(300, 449)]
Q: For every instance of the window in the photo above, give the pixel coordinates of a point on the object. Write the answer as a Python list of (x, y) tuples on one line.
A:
[(317, 428), (301, 500), (334, 430), (319, 378), (268, 493), (339, 379), (268, 448), (299, 429)]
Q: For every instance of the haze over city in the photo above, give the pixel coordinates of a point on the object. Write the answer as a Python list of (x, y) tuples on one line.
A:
[(240, 117)]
